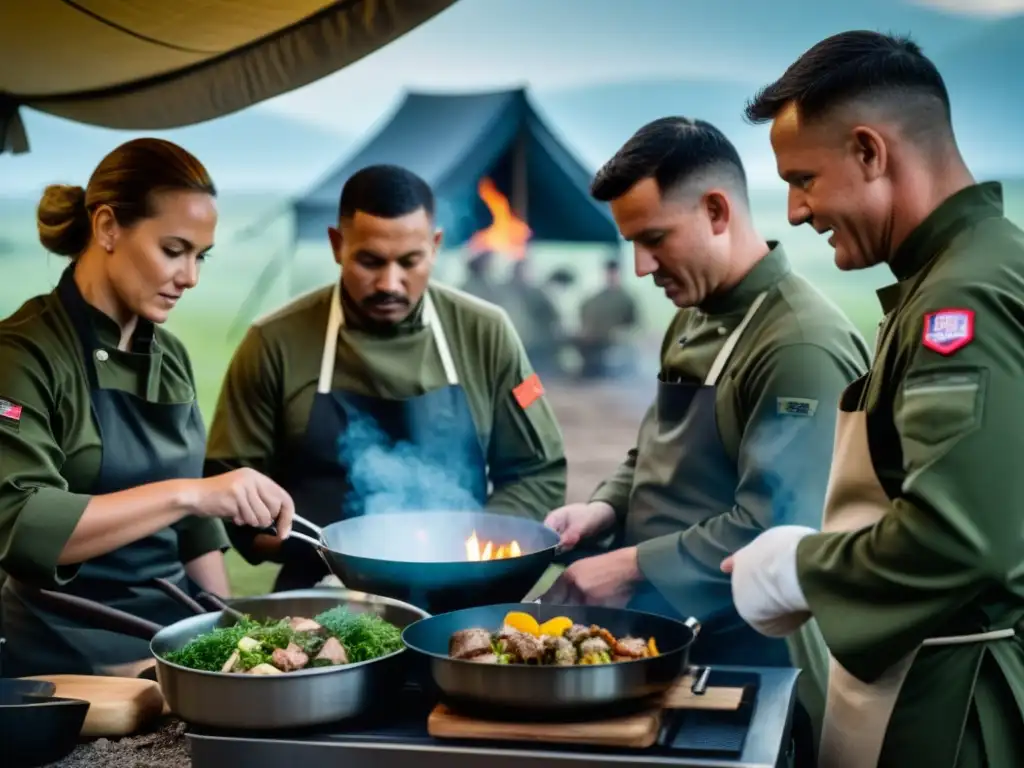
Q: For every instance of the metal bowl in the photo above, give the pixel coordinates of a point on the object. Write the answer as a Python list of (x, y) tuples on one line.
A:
[(292, 700)]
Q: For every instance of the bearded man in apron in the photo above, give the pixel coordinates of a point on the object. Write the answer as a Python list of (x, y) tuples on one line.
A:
[(738, 438), (915, 580), (383, 392)]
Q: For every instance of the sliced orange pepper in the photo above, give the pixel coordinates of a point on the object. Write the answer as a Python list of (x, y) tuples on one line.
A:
[(652, 647), (556, 627), (523, 622)]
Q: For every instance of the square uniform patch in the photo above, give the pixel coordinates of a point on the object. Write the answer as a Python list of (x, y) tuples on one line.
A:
[(795, 406)]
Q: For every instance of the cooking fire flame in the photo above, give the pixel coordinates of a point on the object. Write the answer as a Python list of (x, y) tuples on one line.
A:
[(508, 234), (490, 551)]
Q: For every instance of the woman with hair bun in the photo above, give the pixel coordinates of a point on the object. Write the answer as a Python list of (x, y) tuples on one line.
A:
[(101, 439)]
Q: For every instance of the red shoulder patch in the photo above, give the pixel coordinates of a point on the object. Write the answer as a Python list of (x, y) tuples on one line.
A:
[(948, 330), (529, 391)]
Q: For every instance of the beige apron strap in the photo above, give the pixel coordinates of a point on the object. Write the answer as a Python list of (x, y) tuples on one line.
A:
[(440, 339), (857, 715), (336, 321), (730, 344)]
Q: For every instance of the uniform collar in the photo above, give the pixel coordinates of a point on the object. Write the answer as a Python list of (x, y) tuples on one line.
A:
[(106, 329), (955, 214), (765, 274), (355, 319)]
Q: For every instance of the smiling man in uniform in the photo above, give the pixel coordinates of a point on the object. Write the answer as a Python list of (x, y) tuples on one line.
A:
[(384, 391), (916, 580)]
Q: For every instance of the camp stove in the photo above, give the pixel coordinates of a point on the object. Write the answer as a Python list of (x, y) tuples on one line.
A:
[(757, 735)]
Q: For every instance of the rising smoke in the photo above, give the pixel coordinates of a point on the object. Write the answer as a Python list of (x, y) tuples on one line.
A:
[(398, 476)]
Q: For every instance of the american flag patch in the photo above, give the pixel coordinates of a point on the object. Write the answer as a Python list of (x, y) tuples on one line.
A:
[(9, 412)]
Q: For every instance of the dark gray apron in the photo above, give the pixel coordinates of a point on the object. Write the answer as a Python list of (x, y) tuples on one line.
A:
[(142, 442), (683, 476), (331, 474)]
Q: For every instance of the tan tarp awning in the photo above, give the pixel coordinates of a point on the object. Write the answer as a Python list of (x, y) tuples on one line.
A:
[(143, 64)]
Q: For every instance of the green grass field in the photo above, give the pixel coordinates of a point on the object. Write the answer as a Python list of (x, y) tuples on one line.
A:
[(204, 316)]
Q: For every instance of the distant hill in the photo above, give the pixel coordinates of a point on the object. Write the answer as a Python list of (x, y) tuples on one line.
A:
[(983, 77), (252, 150)]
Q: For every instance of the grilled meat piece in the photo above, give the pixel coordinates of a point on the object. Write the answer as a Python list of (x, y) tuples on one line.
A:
[(577, 633), (630, 647), (333, 651), (467, 643), (485, 658), (526, 648), (289, 659), (593, 646)]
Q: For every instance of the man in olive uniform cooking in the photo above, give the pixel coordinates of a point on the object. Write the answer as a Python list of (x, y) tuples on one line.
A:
[(739, 436), (383, 392), (915, 581)]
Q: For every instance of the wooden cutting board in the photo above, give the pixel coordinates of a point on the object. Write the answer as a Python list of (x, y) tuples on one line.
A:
[(636, 731), (119, 706)]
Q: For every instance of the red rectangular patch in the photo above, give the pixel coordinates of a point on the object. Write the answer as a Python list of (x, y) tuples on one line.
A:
[(948, 330), (529, 391), (10, 412)]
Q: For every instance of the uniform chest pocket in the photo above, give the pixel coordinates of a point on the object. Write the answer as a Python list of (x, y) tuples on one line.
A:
[(938, 405)]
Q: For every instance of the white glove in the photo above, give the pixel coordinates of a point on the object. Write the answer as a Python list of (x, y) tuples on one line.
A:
[(765, 587)]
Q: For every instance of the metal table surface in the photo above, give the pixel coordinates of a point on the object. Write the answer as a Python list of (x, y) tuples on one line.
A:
[(756, 736)]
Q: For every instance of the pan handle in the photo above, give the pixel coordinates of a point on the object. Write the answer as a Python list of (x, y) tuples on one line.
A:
[(308, 539), (97, 615), (179, 595), (313, 527), (220, 605)]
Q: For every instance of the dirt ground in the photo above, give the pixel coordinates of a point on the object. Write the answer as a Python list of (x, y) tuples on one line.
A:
[(599, 424)]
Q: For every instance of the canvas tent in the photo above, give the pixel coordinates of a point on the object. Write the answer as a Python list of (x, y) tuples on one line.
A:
[(140, 64), (453, 141)]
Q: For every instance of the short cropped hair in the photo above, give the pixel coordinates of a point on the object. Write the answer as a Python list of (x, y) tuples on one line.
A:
[(672, 151), (385, 191)]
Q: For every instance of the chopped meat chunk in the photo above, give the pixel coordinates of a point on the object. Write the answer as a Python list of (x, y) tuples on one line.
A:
[(630, 647), (300, 624), (577, 633), (593, 645), (333, 651), (289, 659), (526, 648), (485, 658), (467, 643)]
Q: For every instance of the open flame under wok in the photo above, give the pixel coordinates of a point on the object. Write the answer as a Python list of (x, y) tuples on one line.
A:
[(488, 550)]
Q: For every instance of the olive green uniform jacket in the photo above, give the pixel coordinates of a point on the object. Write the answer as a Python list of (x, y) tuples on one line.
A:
[(264, 405), (946, 432)]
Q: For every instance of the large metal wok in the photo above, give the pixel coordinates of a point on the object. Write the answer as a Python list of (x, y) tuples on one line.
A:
[(550, 691), (249, 702), (420, 557)]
